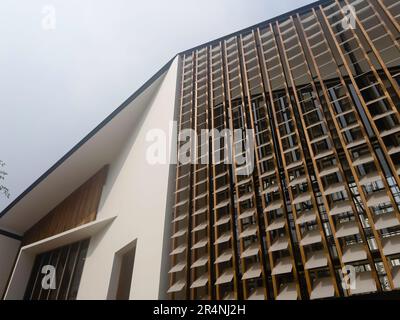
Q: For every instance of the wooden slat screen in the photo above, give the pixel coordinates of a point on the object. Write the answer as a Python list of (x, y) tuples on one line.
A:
[(323, 104)]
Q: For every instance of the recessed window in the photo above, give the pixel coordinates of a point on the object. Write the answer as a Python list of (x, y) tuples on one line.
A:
[(121, 276), (56, 274)]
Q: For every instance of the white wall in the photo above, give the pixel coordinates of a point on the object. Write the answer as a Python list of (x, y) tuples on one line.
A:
[(136, 192), (9, 250)]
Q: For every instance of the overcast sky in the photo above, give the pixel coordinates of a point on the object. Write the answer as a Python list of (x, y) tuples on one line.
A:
[(65, 65)]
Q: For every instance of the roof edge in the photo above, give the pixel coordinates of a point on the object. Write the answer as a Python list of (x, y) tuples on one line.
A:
[(276, 18), (89, 135)]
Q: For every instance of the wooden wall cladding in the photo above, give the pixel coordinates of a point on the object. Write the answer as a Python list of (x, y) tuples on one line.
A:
[(78, 208)]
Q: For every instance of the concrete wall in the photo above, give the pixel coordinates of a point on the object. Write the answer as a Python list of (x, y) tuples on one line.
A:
[(137, 192), (9, 248)]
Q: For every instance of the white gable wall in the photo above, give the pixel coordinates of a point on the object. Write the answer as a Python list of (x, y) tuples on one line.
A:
[(137, 193)]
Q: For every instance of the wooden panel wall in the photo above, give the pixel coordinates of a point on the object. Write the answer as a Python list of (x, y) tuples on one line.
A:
[(78, 208)]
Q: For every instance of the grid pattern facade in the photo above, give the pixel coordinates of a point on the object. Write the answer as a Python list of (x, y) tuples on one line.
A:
[(322, 100)]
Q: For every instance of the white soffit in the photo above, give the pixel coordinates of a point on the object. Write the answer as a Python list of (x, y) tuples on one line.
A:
[(77, 234), (97, 149)]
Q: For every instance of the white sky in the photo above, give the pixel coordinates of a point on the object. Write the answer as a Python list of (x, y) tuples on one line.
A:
[(56, 85)]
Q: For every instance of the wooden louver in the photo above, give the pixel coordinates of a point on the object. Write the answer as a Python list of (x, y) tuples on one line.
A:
[(323, 104)]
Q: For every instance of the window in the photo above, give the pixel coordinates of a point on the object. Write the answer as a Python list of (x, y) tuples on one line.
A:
[(121, 276), (56, 274)]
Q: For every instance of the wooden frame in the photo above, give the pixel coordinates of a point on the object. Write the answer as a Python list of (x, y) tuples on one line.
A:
[(327, 166)]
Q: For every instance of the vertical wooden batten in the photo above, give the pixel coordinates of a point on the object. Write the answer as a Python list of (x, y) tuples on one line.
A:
[(79, 208)]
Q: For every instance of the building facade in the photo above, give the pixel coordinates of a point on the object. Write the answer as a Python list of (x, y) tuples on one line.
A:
[(319, 87), (286, 185), (104, 190)]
